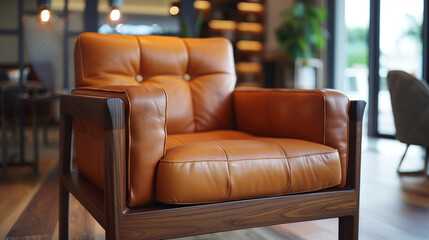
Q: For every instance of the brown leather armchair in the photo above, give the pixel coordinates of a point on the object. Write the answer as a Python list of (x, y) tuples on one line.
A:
[(166, 147)]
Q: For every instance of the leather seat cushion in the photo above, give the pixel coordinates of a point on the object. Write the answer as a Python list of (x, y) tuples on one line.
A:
[(242, 166)]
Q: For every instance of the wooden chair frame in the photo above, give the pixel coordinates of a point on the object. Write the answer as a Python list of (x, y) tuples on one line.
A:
[(158, 222)]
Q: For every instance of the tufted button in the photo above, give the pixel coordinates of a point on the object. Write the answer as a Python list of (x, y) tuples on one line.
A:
[(187, 77), (139, 78)]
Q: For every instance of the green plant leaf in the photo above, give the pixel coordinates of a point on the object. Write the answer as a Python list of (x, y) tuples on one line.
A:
[(299, 9), (301, 30)]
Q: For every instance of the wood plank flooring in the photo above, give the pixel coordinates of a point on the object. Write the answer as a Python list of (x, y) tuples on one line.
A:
[(392, 207), (41, 215)]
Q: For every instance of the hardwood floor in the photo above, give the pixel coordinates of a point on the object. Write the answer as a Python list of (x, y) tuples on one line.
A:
[(392, 206)]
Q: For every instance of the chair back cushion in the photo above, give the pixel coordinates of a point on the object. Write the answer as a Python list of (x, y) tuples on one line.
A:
[(410, 106), (197, 74)]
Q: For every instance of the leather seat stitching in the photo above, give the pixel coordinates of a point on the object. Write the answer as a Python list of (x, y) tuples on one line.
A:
[(324, 117), (140, 57), (81, 60), (229, 172), (219, 160), (287, 187), (270, 125), (128, 157), (165, 123), (262, 195), (313, 154), (189, 85), (208, 74), (246, 159)]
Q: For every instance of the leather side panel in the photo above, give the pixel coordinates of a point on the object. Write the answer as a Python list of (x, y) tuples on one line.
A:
[(319, 116), (89, 145), (337, 127)]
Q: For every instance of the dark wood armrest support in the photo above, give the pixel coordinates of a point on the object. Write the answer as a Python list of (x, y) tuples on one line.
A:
[(356, 111), (107, 112), (99, 110)]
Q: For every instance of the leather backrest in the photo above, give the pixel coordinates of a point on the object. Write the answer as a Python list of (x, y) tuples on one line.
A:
[(197, 74)]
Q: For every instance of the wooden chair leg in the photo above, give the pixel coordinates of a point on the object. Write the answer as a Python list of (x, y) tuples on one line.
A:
[(348, 227), (64, 218)]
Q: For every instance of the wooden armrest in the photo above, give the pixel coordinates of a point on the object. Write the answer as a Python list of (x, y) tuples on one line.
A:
[(108, 113), (100, 110), (356, 110)]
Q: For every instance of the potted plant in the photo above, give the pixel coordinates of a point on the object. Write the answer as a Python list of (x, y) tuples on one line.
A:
[(301, 33)]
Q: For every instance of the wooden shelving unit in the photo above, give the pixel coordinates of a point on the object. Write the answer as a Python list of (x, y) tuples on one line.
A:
[(242, 22)]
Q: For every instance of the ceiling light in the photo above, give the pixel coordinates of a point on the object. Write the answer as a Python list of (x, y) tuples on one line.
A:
[(45, 15), (115, 14), (175, 8), (44, 10)]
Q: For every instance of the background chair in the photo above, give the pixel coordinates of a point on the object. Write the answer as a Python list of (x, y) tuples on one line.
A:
[(410, 105), (166, 147)]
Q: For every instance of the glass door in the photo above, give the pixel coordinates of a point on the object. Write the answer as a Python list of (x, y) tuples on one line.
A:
[(371, 38), (355, 81), (400, 49)]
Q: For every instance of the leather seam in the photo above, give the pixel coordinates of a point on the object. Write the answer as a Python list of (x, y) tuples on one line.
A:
[(256, 196), (189, 57), (219, 160), (270, 125), (189, 85), (81, 60), (324, 117), (240, 160), (208, 74), (140, 58), (347, 147), (165, 123), (314, 154), (128, 160), (289, 168), (247, 159), (229, 172)]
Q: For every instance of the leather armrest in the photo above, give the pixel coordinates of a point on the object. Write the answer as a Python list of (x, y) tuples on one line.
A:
[(145, 139), (319, 116)]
